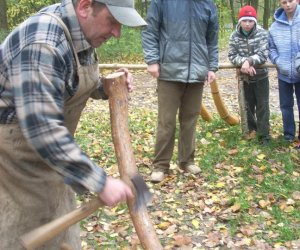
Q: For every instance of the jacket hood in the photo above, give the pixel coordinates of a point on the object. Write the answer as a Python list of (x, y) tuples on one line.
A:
[(280, 15)]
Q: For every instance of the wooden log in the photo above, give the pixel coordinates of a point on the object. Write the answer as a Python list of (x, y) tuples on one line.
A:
[(144, 66), (242, 104), (206, 116), (115, 87), (222, 110)]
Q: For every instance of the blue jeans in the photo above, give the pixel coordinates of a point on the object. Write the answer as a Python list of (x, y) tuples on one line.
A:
[(286, 99)]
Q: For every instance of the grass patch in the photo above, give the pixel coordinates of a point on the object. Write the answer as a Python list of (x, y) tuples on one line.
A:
[(242, 184)]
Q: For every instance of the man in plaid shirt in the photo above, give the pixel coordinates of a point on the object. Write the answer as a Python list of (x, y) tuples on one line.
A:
[(48, 71)]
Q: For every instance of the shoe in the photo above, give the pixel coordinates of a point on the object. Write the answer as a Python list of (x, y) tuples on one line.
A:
[(265, 142), (250, 135), (157, 176), (193, 169), (289, 139), (297, 146)]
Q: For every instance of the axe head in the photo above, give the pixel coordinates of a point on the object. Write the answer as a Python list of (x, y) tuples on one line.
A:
[(143, 195)]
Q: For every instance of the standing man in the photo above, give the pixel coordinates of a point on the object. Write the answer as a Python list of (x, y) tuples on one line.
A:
[(248, 48), (48, 71), (181, 49), (284, 44)]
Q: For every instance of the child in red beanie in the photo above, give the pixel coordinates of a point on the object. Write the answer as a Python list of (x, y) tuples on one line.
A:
[(248, 48)]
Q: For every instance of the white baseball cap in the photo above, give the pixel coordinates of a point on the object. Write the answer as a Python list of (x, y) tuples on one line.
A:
[(124, 12)]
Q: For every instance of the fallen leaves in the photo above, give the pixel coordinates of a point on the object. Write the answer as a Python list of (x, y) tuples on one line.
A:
[(245, 197), (296, 195), (181, 240)]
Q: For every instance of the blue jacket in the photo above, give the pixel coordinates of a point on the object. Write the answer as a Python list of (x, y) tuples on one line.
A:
[(284, 44), (182, 36)]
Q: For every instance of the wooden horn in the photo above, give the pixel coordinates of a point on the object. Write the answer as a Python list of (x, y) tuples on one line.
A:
[(116, 88), (222, 110), (206, 116)]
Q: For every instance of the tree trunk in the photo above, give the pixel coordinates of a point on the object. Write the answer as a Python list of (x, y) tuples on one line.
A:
[(266, 14), (233, 15), (3, 16)]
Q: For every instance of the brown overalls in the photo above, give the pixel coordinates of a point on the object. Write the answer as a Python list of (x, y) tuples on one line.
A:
[(32, 193)]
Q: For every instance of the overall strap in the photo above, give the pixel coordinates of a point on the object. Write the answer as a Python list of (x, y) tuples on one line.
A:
[(67, 33)]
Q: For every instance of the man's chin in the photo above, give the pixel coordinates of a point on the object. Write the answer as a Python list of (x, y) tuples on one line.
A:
[(96, 44)]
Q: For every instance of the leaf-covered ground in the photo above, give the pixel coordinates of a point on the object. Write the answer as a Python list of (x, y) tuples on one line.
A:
[(246, 196)]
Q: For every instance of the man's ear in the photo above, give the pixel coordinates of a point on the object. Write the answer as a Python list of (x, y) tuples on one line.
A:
[(83, 8)]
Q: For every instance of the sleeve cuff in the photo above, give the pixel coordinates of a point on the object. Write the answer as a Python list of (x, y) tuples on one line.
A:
[(250, 60), (93, 182)]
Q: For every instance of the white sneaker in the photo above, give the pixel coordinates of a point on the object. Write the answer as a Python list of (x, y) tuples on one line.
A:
[(193, 169), (157, 176)]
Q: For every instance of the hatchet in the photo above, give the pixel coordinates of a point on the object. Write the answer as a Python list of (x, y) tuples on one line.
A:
[(42, 234)]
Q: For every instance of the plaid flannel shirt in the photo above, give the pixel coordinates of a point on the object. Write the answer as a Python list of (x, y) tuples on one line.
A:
[(37, 75)]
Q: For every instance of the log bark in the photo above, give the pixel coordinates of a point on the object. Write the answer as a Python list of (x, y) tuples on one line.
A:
[(242, 104), (115, 87)]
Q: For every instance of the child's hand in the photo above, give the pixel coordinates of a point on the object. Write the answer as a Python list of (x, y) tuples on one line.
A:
[(252, 71), (245, 67)]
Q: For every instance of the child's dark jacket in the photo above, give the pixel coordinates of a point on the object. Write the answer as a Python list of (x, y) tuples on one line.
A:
[(253, 48)]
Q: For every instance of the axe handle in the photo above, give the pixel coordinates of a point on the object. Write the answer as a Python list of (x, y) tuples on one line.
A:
[(40, 235)]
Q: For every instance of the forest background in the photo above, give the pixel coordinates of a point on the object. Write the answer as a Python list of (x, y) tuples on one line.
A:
[(13, 12), (246, 197)]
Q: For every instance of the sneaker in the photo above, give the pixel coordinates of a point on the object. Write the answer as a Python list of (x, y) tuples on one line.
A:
[(193, 169), (250, 135), (297, 146), (157, 176), (289, 139), (265, 142)]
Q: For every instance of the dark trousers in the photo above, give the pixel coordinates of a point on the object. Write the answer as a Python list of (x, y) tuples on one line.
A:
[(258, 112), (286, 99), (173, 97)]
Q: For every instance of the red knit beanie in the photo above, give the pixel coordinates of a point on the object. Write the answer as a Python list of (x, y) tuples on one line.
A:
[(247, 13)]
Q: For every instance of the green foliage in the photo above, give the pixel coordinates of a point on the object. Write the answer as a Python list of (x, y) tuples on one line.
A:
[(224, 14), (19, 10), (126, 49)]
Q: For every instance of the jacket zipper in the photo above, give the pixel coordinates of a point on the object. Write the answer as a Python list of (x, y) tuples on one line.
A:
[(190, 42)]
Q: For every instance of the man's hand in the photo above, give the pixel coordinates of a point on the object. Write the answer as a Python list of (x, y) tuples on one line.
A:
[(115, 191), (153, 69), (211, 76), (129, 78)]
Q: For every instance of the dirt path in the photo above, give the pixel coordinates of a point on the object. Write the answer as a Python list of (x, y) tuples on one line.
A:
[(145, 96), (144, 93)]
